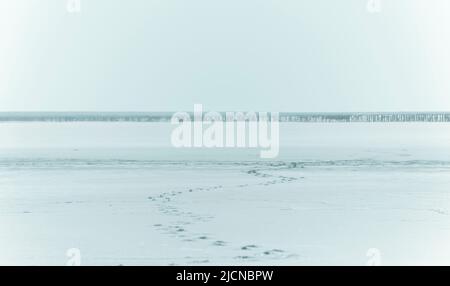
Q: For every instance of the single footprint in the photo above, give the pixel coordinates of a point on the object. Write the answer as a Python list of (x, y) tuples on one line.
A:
[(273, 251), (249, 247), (219, 243), (243, 257)]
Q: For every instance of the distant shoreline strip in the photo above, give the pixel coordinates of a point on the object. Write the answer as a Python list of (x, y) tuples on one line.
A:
[(166, 116)]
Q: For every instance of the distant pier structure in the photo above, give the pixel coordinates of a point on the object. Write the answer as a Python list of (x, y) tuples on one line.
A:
[(166, 117), (367, 117)]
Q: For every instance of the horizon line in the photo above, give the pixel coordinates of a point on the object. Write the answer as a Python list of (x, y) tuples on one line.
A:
[(223, 111), (224, 116)]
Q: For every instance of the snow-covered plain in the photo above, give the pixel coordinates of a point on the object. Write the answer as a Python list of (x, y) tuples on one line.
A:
[(122, 195)]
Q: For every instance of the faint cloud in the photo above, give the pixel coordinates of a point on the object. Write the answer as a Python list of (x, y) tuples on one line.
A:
[(74, 255), (374, 6), (73, 6), (374, 255)]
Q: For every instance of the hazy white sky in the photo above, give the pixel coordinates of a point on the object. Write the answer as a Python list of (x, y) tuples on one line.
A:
[(280, 55)]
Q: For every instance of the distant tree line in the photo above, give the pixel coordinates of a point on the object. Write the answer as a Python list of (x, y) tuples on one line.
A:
[(166, 116)]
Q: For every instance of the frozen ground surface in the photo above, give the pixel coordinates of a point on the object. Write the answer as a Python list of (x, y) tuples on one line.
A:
[(121, 195)]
